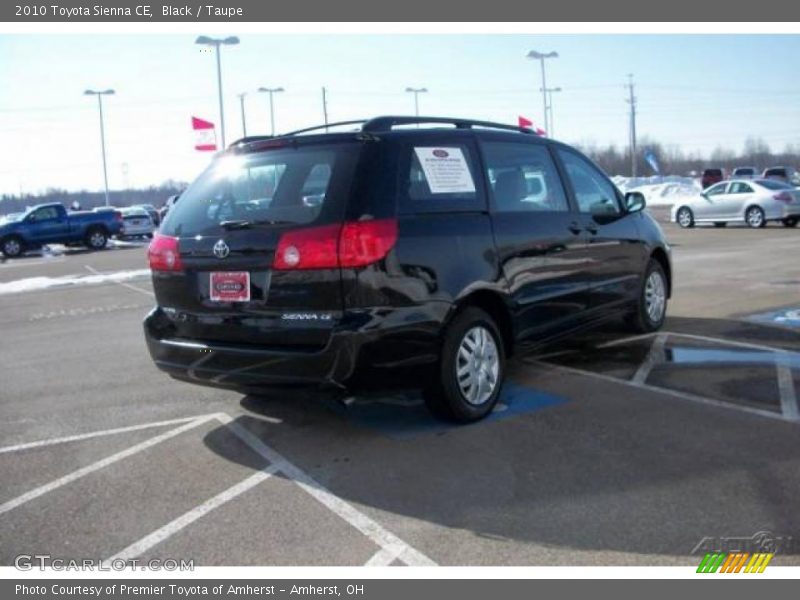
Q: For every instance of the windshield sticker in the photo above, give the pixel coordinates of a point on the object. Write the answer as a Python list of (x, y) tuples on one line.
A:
[(446, 170)]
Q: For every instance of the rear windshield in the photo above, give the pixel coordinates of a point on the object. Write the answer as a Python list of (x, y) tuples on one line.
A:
[(713, 173), (777, 172), (293, 185), (744, 171), (771, 184)]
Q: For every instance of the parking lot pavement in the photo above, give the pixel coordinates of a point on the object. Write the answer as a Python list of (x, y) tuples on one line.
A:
[(604, 450)]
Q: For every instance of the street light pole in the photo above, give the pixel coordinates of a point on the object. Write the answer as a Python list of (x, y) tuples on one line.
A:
[(244, 118), (271, 92), (541, 57), (416, 92), (550, 127), (102, 133), (216, 43)]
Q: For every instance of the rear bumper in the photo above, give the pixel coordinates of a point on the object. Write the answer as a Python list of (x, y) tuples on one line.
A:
[(366, 349)]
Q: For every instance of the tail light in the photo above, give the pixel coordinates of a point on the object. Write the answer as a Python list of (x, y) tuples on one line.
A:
[(118, 216), (163, 254), (783, 197), (354, 244)]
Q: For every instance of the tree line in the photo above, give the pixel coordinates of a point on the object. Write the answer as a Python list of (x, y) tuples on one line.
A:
[(674, 161), (155, 195)]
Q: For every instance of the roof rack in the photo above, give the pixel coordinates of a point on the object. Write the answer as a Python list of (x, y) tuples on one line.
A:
[(386, 123)]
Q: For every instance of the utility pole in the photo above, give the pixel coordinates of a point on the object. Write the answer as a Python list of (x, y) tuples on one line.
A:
[(325, 106), (632, 101)]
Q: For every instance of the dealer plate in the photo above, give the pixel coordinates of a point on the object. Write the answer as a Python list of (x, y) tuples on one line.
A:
[(229, 286)]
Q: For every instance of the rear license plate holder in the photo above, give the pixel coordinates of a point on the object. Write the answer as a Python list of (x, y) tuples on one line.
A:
[(229, 286)]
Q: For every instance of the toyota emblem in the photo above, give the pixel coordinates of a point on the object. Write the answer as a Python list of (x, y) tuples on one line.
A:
[(221, 249)]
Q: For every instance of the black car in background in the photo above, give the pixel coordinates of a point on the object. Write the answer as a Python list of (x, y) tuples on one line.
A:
[(411, 251)]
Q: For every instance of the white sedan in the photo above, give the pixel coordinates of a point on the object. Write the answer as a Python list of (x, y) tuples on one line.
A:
[(136, 222), (750, 201)]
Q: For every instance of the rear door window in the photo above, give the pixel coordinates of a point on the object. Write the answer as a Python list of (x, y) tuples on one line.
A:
[(279, 186), (439, 178), (740, 188), (523, 178)]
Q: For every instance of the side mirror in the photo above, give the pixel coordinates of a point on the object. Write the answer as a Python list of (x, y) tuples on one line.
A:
[(635, 202)]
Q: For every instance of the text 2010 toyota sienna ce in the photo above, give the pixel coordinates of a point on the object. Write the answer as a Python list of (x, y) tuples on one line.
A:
[(396, 253)]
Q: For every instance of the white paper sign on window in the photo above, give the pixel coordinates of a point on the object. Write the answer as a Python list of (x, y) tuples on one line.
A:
[(446, 170)]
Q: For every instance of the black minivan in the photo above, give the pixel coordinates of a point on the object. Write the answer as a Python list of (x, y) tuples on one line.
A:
[(407, 251)]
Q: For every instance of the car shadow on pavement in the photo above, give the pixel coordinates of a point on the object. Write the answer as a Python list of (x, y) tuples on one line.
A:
[(614, 468)]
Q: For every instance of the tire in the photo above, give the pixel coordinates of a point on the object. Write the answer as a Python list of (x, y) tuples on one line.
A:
[(790, 222), (720, 224), (96, 238), (754, 217), (685, 217), (646, 317), (12, 246), (472, 368)]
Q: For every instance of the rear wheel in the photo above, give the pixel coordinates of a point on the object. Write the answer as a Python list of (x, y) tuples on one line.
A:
[(471, 369), (11, 247), (96, 239), (790, 222), (651, 308), (685, 217), (755, 217)]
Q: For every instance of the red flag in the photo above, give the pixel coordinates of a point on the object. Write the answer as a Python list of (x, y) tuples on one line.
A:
[(528, 124), (205, 136)]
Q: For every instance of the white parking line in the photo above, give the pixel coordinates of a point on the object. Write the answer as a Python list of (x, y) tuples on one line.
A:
[(173, 527), (94, 434), (375, 532), (787, 392), (654, 357), (383, 557), (69, 478), (122, 283), (666, 391)]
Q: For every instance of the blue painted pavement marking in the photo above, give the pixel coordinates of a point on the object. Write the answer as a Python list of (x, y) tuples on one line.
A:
[(405, 416)]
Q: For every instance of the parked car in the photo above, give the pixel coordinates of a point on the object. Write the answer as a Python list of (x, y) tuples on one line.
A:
[(753, 201), (168, 205), (711, 176), (744, 173), (155, 216), (423, 265), (784, 174), (52, 224), (136, 222)]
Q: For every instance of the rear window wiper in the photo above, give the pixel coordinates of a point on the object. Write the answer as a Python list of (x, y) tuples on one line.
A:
[(235, 224), (244, 224)]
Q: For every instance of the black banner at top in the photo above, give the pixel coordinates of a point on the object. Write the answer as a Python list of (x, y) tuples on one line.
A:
[(394, 10)]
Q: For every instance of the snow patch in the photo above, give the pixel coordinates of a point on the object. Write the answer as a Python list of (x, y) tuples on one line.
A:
[(660, 191), (34, 284)]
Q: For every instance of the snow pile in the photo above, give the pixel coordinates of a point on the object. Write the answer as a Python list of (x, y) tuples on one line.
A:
[(660, 191), (32, 284)]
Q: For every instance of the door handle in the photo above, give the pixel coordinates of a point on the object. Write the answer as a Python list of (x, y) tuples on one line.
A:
[(574, 228), (591, 229)]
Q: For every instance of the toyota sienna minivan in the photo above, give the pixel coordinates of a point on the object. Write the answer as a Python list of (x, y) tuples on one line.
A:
[(407, 251)]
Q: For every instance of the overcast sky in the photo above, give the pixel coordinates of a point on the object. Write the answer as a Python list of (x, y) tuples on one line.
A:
[(697, 92)]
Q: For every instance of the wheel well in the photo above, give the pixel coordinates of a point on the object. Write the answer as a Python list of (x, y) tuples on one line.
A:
[(495, 306), (97, 227), (661, 256)]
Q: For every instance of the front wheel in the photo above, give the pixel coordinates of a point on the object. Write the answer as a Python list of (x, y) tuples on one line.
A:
[(755, 217), (685, 217), (471, 369), (651, 307), (790, 222)]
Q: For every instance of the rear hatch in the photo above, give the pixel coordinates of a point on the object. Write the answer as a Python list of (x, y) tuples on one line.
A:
[(222, 285)]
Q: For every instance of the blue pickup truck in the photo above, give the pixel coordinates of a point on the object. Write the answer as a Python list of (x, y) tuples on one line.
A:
[(52, 224)]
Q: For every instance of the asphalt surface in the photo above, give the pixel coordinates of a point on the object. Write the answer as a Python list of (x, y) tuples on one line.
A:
[(604, 451)]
